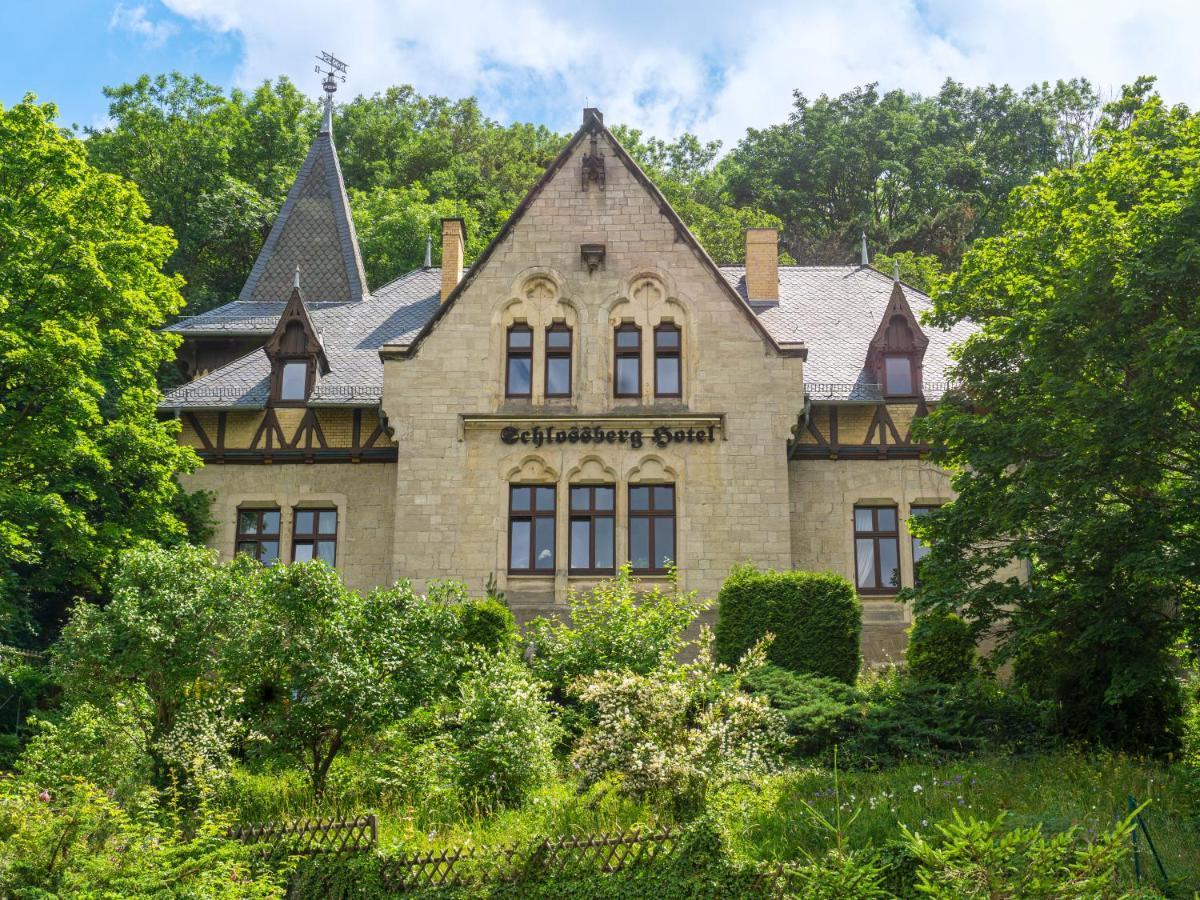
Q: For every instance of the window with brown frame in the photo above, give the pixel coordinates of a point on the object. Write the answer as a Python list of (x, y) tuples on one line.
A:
[(651, 527), (314, 535), (558, 360), (531, 529), (258, 534), (627, 377), (292, 377), (898, 378), (919, 550), (592, 526), (668, 346), (876, 550), (518, 376)]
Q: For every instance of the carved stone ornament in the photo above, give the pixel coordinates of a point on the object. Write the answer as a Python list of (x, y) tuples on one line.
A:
[(592, 255), (593, 167)]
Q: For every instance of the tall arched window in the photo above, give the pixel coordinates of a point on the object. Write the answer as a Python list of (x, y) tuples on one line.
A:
[(558, 360), (668, 349), (627, 378), (518, 377)]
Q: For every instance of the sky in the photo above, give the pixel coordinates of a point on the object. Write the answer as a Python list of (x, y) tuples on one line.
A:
[(711, 68)]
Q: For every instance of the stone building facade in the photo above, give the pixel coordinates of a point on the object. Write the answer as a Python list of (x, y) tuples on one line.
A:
[(592, 390)]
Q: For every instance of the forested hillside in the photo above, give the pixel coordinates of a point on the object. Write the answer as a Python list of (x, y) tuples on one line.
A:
[(922, 176)]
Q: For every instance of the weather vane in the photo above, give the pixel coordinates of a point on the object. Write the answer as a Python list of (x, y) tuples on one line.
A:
[(333, 70)]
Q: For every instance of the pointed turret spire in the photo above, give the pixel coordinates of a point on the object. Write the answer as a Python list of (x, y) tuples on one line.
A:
[(296, 283), (314, 226), (865, 259), (895, 271)]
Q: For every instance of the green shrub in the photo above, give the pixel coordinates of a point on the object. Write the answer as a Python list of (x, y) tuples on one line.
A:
[(971, 858), (616, 626), (74, 841), (818, 712), (941, 647), (487, 624), (815, 616), (503, 732), (906, 718), (105, 747)]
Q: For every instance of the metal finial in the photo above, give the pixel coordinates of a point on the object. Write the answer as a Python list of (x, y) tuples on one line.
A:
[(428, 251), (896, 271), (334, 71), (296, 281), (865, 259)]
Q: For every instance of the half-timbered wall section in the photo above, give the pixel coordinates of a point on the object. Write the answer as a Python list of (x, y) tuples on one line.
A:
[(288, 435), (882, 430)]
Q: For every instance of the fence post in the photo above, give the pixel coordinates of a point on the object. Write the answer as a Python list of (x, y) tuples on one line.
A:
[(1137, 850), (373, 821)]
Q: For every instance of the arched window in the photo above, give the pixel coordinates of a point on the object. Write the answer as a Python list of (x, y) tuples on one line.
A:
[(518, 378), (558, 360), (668, 347), (627, 378)]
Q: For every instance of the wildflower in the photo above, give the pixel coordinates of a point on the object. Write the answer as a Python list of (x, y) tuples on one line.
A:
[(44, 796), (917, 789)]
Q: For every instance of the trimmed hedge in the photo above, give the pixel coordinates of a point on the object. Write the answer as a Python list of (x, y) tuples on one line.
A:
[(941, 647), (815, 616)]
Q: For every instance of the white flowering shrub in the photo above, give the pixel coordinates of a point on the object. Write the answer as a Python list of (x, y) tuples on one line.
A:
[(674, 733), (503, 731)]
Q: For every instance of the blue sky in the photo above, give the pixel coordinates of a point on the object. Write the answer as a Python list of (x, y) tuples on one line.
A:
[(713, 68)]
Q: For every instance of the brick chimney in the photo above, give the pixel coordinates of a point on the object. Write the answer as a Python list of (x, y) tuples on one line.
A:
[(454, 240), (762, 265)]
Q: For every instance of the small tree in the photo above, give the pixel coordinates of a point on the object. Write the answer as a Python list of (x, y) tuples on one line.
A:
[(162, 637), (325, 665)]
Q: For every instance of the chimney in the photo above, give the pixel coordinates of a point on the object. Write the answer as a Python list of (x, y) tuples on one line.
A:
[(762, 265), (454, 239)]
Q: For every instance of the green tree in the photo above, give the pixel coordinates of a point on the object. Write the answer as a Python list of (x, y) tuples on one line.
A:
[(325, 666), (162, 637), (1074, 441), (86, 467)]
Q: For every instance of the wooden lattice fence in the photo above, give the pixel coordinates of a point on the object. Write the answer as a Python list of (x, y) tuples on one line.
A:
[(308, 837), (459, 866)]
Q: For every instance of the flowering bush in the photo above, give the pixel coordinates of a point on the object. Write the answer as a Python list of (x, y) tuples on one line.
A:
[(673, 733), (503, 731)]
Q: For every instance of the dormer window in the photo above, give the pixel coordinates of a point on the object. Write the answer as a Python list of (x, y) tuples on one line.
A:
[(898, 348), (898, 378), (296, 354)]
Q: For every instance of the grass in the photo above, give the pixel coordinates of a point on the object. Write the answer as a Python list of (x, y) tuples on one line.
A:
[(1057, 790), (768, 821)]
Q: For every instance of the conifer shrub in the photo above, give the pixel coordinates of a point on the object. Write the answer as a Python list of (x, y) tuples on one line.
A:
[(818, 712), (815, 616), (941, 647)]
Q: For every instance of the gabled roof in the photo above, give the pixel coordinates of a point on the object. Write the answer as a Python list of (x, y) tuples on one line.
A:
[(898, 306), (593, 123), (314, 230)]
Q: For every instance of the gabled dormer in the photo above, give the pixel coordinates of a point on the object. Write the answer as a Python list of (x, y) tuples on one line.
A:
[(296, 354), (897, 350)]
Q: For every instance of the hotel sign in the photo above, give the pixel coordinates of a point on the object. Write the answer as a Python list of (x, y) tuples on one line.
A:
[(635, 438), (632, 431)]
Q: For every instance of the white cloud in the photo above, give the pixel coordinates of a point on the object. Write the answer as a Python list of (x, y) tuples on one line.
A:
[(136, 21), (711, 67)]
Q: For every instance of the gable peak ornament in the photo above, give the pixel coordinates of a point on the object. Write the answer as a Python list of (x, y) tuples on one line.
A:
[(593, 166)]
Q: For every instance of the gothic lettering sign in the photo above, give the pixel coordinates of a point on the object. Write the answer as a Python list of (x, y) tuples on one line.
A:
[(635, 438)]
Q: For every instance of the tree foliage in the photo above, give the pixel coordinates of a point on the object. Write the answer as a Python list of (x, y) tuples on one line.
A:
[(86, 468), (919, 174), (1075, 442)]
